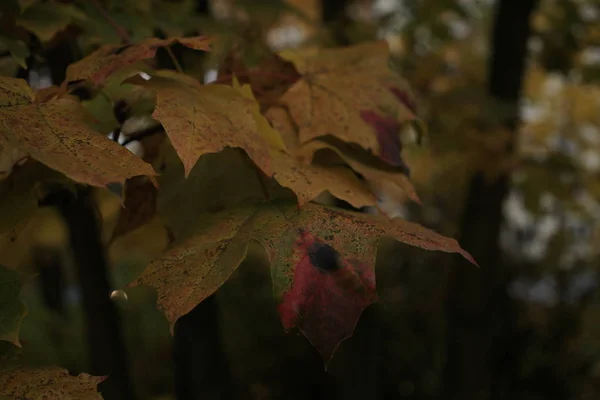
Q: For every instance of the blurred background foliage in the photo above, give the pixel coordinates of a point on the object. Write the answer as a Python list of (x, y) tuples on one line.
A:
[(546, 343)]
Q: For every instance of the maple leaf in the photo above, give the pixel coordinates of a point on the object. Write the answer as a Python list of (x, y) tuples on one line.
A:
[(47, 19), (369, 172), (298, 242), (102, 63), (12, 310), (265, 129), (306, 181), (309, 181), (280, 120), (57, 134), (322, 263), (350, 93), (201, 119), (375, 172), (47, 383), (197, 266)]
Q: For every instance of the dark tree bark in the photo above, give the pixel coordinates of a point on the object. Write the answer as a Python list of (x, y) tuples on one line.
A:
[(105, 345), (334, 15), (50, 278), (201, 367), (480, 314)]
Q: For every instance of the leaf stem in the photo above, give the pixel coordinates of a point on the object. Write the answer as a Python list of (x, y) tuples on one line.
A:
[(176, 63), (118, 29)]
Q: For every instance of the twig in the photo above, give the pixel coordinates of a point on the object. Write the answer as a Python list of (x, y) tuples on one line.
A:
[(174, 59), (115, 135), (144, 133), (118, 29)]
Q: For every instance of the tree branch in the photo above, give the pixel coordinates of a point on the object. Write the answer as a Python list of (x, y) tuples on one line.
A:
[(118, 29)]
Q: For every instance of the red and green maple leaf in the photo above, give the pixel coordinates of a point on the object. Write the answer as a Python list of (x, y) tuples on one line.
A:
[(322, 263)]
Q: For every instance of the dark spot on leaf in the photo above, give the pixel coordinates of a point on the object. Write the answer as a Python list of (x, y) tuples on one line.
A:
[(324, 257)]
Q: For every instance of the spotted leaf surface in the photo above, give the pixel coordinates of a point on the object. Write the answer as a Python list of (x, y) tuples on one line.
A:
[(340, 92), (195, 267), (48, 383), (57, 133), (201, 119), (309, 181), (322, 263), (108, 59)]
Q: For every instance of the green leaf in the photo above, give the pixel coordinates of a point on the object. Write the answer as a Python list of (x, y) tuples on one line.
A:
[(12, 310), (218, 181), (47, 19), (19, 195), (17, 48)]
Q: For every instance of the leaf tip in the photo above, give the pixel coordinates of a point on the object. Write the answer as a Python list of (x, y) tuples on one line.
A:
[(469, 257)]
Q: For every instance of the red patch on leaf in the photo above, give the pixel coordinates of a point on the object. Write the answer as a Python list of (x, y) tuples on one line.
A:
[(404, 99), (388, 137), (327, 295)]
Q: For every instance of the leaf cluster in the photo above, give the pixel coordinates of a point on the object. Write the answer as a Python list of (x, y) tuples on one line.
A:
[(245, 159)]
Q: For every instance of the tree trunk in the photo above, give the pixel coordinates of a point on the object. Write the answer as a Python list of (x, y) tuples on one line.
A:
[(479, 312), (201, 367), (106, 348)]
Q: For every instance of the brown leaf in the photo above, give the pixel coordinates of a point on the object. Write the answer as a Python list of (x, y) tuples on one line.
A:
[(57, 134), (309, 181), (339, 87), (197, 266), (281, 121), (369, 172), (48, 383), (15, 92), (109, 58), (201, 119)]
